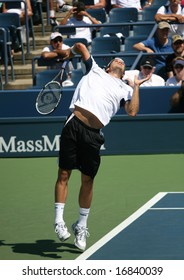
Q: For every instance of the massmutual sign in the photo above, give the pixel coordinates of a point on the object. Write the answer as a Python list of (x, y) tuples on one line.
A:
[(40, 137), (15, 145), (31, 137)]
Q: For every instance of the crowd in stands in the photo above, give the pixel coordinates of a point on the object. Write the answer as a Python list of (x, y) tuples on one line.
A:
[(168, 38)]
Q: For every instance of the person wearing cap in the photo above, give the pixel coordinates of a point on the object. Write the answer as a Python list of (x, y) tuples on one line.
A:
[(97, 98), (172, 12), (78, 16), (56, 51), (178, 66), (178, 48), (160, 43), (147, 66)]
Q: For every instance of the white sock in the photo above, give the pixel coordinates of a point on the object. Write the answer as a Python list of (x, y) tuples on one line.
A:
[(83, 216), (59, 211), (61, 2), (52, 13)]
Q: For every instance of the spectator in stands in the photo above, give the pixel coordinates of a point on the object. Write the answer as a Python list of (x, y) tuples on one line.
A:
[(56, 51), (20, 11), (160, 43), (172, 12), (98, 4), (178, 66), (130, 4), (62, 6), (147, 67), (78, 16), (178, 48), (177, 100)]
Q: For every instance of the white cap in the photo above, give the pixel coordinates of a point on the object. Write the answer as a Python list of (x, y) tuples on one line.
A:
[(55, 35)]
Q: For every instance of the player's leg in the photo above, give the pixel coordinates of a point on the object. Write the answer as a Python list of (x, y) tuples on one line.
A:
[(80, 228), (61, 191)]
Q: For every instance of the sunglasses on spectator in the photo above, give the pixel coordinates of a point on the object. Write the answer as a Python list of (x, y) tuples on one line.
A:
[(178, 66), (57, 40), (178, 42), (147, 67)]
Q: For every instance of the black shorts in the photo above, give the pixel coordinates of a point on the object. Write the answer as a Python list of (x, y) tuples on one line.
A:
[(80, 147)]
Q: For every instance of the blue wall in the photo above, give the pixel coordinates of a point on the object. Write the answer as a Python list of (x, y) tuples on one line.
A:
[(25, 133), (153, 100)]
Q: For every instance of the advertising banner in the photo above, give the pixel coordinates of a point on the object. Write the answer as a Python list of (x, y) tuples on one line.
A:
[(39, 137)]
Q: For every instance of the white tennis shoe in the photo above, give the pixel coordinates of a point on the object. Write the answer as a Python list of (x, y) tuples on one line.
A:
[(62, 231), (81, 233), (65, 8)]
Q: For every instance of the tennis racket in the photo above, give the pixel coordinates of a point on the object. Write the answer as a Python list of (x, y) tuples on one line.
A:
[(49, 97)]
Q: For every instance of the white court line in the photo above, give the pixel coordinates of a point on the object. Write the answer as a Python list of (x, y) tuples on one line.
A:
[(121, 226)]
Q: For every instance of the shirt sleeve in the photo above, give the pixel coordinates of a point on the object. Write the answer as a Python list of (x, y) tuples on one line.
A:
[(88, 65)]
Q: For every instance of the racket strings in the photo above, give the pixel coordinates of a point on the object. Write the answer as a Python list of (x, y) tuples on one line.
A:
[(49, 97)]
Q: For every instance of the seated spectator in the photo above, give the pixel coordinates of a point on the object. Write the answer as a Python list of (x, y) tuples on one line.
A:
[(56, 50), (159, 43), (98, 4), (20, 11), (178, 48), (78, 16), (130, 4), (178, 66), (177, 100), (147, 67), (172, 12), (62, 6)]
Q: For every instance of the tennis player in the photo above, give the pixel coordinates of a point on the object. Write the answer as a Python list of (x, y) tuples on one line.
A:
[(96, 100)]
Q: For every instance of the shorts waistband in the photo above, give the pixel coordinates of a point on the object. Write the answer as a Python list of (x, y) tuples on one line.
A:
[(86, 126)]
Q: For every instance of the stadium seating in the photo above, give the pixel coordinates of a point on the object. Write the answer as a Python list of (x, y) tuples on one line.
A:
[(148, 14), (142, 29), (5, 53), (65, 29), (130, 41), (17, 5), (99, 14), (119, 15), (71, 41), (8, 20), (159, 3), (105, 45), (43, 77), (123, 15)]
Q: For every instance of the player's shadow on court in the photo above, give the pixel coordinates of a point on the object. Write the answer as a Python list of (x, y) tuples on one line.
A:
[(43, 248)]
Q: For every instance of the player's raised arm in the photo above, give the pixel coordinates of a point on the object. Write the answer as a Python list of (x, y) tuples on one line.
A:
[(77, 48)]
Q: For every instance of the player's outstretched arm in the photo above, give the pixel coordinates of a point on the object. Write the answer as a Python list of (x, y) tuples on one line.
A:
[(77, 48)]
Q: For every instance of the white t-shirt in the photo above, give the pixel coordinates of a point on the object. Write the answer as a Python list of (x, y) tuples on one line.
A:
[(58, 65), (100, 93), (81, 32), (127, 3), (173, 82), (155, 80), (175, 28), (50, 48)]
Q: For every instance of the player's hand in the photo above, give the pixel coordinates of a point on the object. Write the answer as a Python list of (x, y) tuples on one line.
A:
[(139, 82)]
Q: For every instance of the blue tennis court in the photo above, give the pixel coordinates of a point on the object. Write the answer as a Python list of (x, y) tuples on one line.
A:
[(153, 232)]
